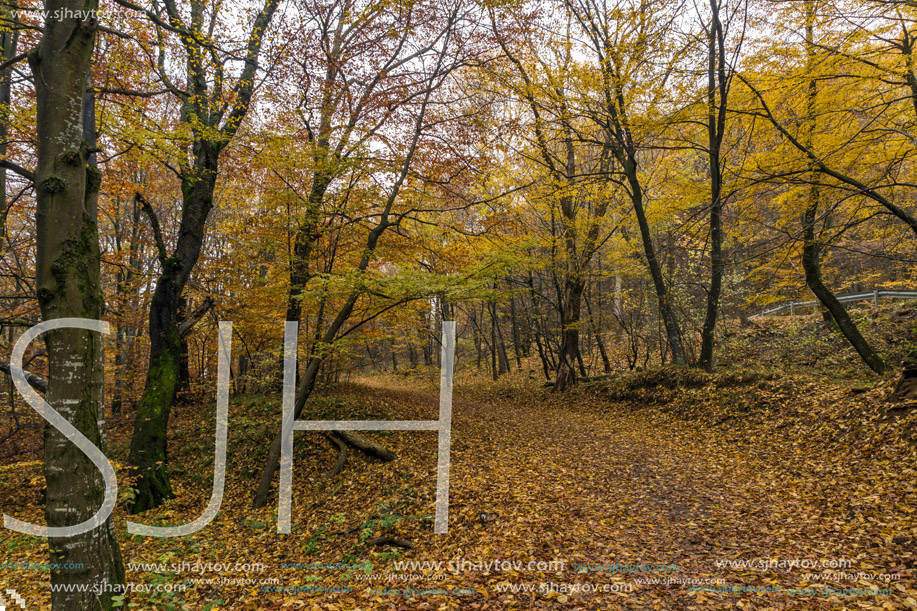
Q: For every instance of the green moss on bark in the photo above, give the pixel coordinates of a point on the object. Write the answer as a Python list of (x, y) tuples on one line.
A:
[(148, 444), (93, 180), (53, 184)]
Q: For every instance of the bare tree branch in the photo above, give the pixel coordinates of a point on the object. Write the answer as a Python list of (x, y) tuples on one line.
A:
[(13, 60), (869, 192), (18, 169), (39, 383), (130, 92), (154, 223), (187, 324)]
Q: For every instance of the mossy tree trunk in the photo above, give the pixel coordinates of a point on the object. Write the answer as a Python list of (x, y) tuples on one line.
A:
[(67, 277), (212, 125), (148, 445), (149, 451)]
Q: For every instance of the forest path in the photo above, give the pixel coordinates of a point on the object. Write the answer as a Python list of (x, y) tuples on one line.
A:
[(540, 477)]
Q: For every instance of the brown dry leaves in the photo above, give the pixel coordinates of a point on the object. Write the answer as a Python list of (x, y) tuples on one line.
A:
[(672, 467)]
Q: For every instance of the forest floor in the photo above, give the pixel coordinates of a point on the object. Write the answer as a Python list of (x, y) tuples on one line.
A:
[(616, 482), (667, 489)]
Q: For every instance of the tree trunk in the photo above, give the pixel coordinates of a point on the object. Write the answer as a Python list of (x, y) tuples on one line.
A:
[(545, 367), (673, 333), (480, 338), (502, 360), (372, 358), (514, 327), (117, 401), (245, 365), (569, 343), (582, 365), (542, 348), (811, 251), (211, 130), (716, 127), (184, 368), (127, 295), (493, 343), (8, 43), (618, 302), (304, 240), (149, 454), (606, 364), (811, 262), (425, 341), (68, 285), (324, 173)]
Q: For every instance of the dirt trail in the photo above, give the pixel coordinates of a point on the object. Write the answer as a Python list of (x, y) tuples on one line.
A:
[(540, 480)]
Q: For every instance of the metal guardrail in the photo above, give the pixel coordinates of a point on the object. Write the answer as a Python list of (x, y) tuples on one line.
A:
[(874, 296)]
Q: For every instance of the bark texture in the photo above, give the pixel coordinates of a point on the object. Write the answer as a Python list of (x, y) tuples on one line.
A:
[(67, 277)]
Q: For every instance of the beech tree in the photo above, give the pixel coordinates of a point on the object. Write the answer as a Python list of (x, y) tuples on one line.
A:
[(9, 40), (68, 285), (634, 50), (720, 65), (211, 112), (432, 48)]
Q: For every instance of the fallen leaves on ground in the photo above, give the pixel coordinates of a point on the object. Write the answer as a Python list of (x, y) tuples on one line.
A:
[(669, 467)]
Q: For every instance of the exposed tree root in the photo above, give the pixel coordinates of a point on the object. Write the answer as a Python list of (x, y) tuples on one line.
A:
[(389, 540), (342, 455), (364, 445)]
